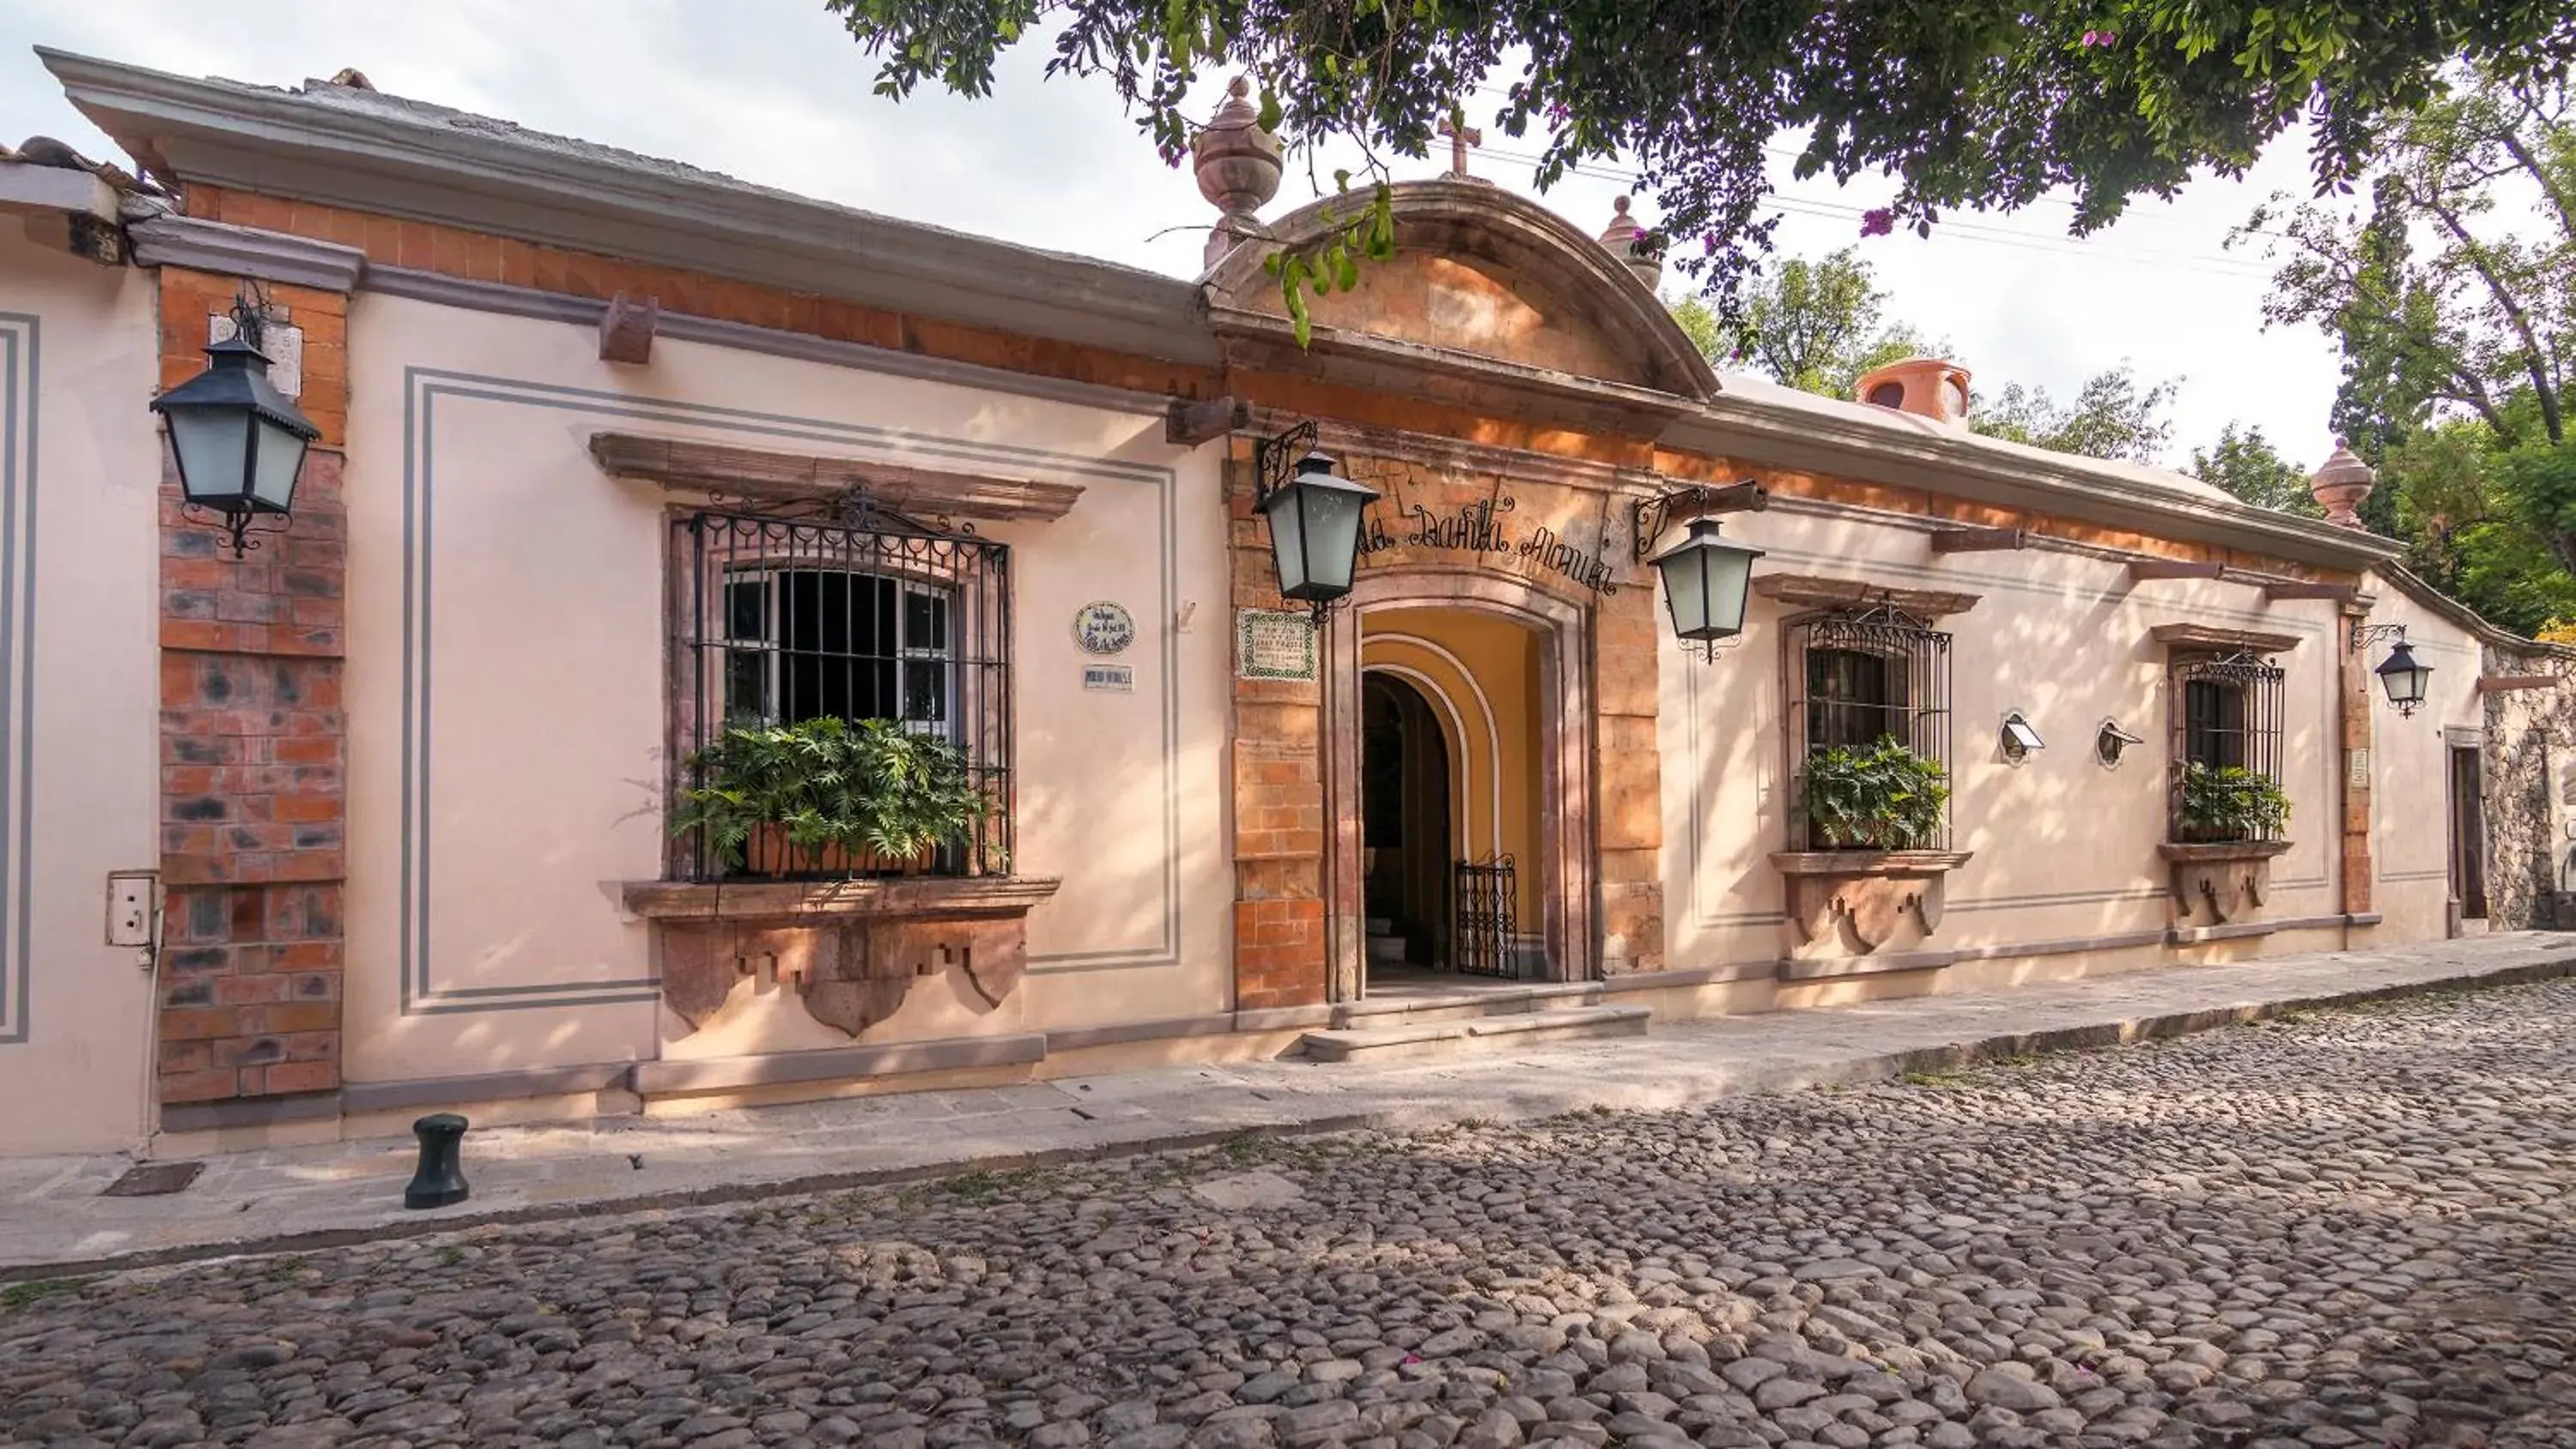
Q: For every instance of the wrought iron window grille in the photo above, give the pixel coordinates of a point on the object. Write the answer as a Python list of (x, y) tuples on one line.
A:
[(841, 608), (2226, 713), (1854, 675)]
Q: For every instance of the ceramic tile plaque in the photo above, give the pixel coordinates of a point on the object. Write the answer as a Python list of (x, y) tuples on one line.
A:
[(1274, 644)]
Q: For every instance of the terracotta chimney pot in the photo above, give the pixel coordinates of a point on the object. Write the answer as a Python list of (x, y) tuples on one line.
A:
[(1925, 386)]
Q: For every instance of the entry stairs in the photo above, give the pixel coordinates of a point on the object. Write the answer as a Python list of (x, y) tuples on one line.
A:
[(1432, 1016)]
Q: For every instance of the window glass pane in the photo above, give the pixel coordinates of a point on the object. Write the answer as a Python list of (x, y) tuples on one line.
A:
[(747, 608), (1852, 699), (925, 691), (746, 685), (925, 620), (2213, 712)]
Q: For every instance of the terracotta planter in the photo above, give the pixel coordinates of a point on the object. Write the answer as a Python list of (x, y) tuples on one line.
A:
[(770, 855)]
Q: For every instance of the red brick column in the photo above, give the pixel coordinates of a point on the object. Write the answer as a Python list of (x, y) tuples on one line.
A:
[(2353, 690), (1277, 751), (254, 749)]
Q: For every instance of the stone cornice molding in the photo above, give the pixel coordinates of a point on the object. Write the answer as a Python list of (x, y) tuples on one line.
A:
[(241, 251), (755, 473), (26, 187), (2215, 638), (399, 159), (1857, 444), (1817, 591)]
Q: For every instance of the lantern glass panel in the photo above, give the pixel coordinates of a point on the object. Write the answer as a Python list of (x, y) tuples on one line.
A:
[(2405, 680), (1706, 580), (213, 445), (1730, 581), (274, 466), (1686, 593), (1332, 537), (1288, 541)]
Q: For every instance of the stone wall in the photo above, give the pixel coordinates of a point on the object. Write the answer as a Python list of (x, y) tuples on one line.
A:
[(2529, 789)]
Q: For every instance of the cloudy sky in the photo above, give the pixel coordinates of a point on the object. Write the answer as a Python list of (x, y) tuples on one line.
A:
[(774, 92)]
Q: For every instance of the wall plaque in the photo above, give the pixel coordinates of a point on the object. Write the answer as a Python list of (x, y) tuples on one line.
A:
[(1103, 627), (1115, 678), (1273, 644)]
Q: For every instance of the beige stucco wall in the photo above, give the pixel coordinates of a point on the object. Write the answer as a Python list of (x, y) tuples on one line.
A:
[(507, 639), (79, 680), (2409, 769), (2062, 848)]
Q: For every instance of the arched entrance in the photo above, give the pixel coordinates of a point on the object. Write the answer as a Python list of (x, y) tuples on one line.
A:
[(1489, 668), (1406, 813)]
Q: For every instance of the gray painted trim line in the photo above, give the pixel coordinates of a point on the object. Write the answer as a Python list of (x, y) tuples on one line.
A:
[(719, 1074), (21, 384), (1792, 969), (508, 301), (424, 387), (2066, 946), (250, 1112), (357, 1097), (1074, 1039), (267, 256), (2239, 931)]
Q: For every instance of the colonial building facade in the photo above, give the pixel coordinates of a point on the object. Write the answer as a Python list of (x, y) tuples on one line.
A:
[(614, 454)]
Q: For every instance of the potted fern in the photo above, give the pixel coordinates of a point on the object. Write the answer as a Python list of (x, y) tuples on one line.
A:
[(827, 797), (2230, 803), (1880, 797)]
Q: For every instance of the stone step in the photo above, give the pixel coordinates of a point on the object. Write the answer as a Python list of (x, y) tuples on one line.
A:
[(1381, 925), (1440, 1038), (1386, 948)]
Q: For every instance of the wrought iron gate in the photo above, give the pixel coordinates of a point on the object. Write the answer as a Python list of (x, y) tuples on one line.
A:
[(1486, 893)]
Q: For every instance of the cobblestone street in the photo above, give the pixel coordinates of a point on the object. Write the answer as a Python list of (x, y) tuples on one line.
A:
[(2342, 1229)]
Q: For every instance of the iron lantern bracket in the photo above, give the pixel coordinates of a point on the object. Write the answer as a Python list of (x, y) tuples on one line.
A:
[(1274, 459), (1649, 517), (2365, 635)]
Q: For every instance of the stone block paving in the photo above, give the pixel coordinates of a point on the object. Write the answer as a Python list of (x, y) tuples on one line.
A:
[(51, 1214), (2329, 1229)]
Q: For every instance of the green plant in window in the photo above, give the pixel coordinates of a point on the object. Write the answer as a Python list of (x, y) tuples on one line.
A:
[(837, 791), (2227, 802), (1876, 797)]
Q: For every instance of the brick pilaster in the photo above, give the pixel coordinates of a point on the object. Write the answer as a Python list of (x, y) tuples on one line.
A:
[(1280, 955), (2353, 684), (254, 749)]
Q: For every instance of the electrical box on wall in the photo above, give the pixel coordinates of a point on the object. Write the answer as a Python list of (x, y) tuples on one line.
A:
[(133, 904)]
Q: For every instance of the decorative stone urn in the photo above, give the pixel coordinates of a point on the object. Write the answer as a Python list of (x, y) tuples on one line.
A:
[(1858, 911), (2218, 883), (1925, 386), (2340, 484), (1238, 167), (1623, 236), (852, 948)]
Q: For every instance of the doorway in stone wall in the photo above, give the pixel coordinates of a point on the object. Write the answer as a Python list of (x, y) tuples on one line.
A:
[(1405, 825), (1459, 795)]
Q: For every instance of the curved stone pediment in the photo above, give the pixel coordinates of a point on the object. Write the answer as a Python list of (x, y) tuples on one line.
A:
[(1487, 290)]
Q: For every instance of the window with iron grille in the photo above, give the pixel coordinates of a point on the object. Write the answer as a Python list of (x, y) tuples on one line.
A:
[(848, 613), (1857, 676), (2227, 715)]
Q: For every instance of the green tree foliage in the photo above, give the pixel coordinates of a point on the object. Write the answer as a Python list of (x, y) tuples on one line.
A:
[(2245, 463), (2452, 292), (2111, 417), (1974, 106)]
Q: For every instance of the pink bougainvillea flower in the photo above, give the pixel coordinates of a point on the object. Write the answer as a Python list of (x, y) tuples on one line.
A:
[(1557, 114), (2100, 37), (1877, 221), (1708, 243)]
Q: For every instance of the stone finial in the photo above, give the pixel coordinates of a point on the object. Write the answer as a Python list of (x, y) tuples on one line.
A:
[(1639, 250), (1238, 166), (2340, 484), (1928, 387)]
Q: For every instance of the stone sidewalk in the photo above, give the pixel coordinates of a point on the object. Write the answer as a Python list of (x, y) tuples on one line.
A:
[(53, 1220)]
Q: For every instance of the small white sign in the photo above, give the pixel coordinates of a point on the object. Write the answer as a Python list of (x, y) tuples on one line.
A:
[(1114, 678), (2357, 773), (1272, 644)]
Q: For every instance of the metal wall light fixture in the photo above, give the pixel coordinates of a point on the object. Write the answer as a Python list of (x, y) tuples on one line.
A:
[(1315, 517), (2018, 738), (1707, 580), (2111, 742), (2401, 676), (240, 443)]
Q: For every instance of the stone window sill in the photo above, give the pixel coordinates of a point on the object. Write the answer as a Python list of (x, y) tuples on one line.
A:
[(1868, 862), (820, 901), (2201, 852)]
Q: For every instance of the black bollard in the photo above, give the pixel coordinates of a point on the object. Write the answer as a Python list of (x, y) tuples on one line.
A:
[(441, 1178)]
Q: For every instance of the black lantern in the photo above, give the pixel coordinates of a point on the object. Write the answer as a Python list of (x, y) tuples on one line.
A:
[(2404, 678), (1706, 582), (1315, 532), (239, 441)]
